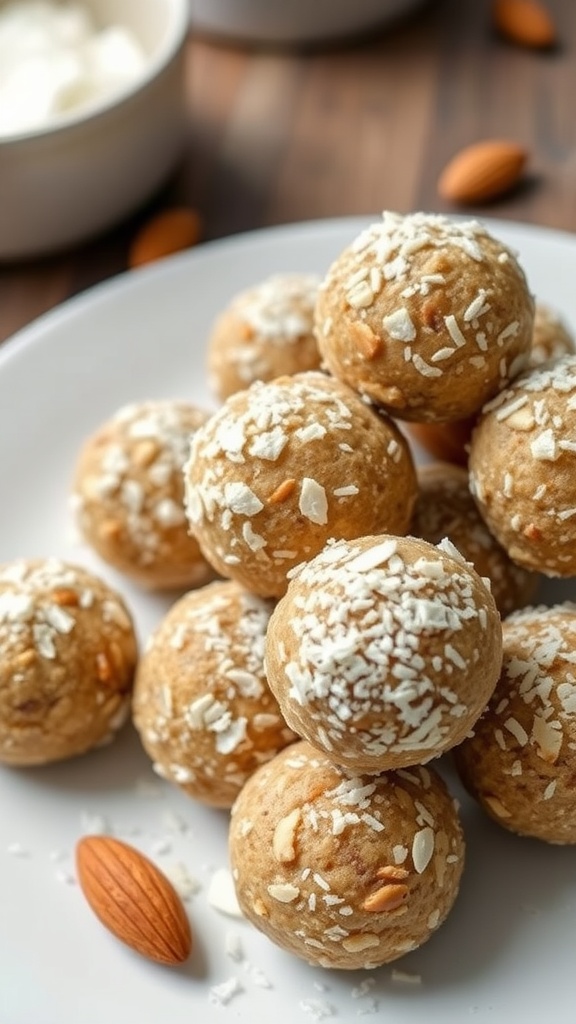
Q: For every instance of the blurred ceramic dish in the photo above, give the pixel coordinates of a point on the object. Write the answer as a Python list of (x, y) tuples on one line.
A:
[(293, 21), (65, 183)]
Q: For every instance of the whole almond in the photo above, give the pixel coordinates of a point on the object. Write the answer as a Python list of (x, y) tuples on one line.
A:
[(526, 22), (167, 232), (133, 899), (482, 171)]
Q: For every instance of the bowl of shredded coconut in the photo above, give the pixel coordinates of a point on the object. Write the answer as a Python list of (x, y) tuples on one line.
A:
[(92, 115)]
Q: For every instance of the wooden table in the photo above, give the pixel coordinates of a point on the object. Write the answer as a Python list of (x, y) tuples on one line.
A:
[(276, 137)]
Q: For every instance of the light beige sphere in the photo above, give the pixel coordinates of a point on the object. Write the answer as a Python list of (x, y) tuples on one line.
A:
[(520, 762), (128, 494), (345, 871), (523, 468), (445, 508), (266, 331), (384, 651), (284, 466), (67, 657), (428, 317), (202, 705)]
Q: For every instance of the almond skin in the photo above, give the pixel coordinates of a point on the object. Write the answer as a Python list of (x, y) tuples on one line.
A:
[(525, 22), (133, 899), (482, 171), (168, 232)]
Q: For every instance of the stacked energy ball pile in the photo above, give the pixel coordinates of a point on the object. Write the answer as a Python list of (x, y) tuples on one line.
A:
[(367, 617)]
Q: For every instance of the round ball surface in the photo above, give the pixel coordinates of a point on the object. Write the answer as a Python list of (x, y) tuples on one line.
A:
[(523, 468), (345, 871), (67, 659), (551, 338), (384, 651), (445, 508), (520, 762), (202, 706), (284, 466), (426, 316), (265, 332), (128, 495)]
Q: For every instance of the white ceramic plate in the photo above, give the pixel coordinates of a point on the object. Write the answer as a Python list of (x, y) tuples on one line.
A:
[(507, 950)]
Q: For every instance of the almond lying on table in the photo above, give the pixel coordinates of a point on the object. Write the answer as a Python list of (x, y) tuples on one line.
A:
[(167, 232), (526, 22), (482, 171), (133, 899)]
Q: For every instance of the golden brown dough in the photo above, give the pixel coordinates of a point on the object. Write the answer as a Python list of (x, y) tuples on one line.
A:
[(67, 659), (523, 468), (426, 316), (345, 871), (519, 764), (285, 465), (384, 651), (128, 495), (551, 338), (445, 508), (202, 706), (265, 332)]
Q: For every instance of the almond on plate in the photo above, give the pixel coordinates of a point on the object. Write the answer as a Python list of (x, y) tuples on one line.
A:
[(133, 899), (482, 171), (526, 22)]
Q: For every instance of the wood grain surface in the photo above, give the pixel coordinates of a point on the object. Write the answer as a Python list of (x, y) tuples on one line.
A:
[(278, 136)]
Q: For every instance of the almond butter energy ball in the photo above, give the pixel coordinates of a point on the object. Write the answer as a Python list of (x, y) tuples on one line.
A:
[(128, 495), (202, 706), (523, 468), (520, 762), (265, 332), (67, 660), (445, 508), (426, 316), (284, 466), (342, 870), (384, 651), (551, 337)]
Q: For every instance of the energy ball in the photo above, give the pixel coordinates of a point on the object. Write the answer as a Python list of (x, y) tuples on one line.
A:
[(523, 468), (128, 496), (284, 466), (266, 331), (345, 871), (384, 651), (428, 317), (445, 508), (519, 764), (451, 441), (550, 336), (67, 657), (202, 706)]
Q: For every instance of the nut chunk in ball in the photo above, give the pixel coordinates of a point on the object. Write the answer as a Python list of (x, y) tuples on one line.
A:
[(523, 468), (520, 762), (345, 871), (384, 651), (67, 659), (284, 466), (202, 706), (128, 495), (265, 332), (427, 317), (445, 508)]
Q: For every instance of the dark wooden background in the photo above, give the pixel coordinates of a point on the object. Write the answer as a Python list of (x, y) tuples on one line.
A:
[(282, 136)]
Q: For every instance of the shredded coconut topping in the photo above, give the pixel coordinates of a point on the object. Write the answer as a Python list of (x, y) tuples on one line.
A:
[(357, 622)]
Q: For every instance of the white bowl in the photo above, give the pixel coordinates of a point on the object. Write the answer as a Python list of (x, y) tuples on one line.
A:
[(289, 22), (64, 184)]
